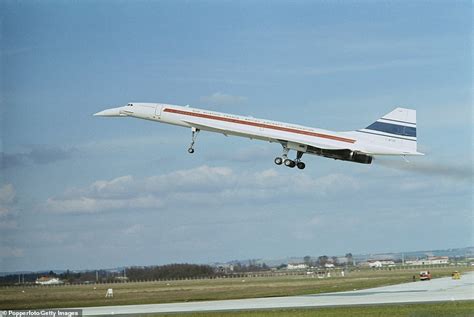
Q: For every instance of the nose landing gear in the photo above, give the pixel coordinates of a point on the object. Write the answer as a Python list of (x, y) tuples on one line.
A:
[(194, 134)]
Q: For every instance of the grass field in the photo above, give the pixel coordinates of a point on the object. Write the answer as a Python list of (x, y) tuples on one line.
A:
[(448, 309), (197, 290)]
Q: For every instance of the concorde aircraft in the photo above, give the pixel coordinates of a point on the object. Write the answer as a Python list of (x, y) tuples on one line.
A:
[(393, 134)]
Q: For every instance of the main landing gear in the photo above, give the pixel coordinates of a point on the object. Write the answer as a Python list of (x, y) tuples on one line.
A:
[(288, 162), (194, 134)]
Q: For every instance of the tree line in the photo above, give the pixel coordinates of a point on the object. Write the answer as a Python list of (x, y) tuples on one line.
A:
[(169, 271), (163, 272), (322, 260)]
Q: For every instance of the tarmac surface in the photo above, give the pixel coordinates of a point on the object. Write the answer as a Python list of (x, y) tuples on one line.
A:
[(437, 290)]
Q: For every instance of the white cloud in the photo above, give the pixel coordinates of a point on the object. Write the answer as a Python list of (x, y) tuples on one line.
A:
[(7, 197), (116, 187), (52, 237), (98, 204), (8, 224), (316, 220), (38, 154), (11, 252), (203, 185), (7, 194), (221, 99), (134, 229)]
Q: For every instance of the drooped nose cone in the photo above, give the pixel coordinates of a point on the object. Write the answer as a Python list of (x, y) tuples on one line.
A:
[(113, 112)]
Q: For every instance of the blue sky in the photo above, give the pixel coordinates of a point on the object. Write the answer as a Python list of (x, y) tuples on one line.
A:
[(78, 191)]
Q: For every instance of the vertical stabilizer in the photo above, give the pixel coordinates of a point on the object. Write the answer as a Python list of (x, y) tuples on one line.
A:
[(395, 130)]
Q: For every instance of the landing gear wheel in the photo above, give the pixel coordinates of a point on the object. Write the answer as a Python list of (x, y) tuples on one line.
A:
[(289, 163), (190, 150), (301, 165), (278, 161)]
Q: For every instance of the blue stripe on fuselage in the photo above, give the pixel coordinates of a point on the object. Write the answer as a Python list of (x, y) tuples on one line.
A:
[(392, 128)]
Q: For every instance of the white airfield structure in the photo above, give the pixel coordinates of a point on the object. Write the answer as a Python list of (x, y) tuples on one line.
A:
[(393, 134)]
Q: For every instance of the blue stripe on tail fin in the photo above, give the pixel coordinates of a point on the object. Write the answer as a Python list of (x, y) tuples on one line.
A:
[(393, 128), (395, 132)]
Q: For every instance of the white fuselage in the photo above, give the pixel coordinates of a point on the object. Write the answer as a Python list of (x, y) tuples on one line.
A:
[(295, 137)]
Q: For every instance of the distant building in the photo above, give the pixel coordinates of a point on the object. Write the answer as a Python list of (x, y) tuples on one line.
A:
[(46, 280), (297, 266), (224, 268), (380, 263), (438, 259), (329, 265), (374, 264), (431, 260)]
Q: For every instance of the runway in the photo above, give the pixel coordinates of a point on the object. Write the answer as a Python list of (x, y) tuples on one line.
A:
[(442, 289)]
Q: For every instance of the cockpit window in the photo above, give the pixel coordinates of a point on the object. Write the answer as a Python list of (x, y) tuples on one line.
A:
[(130, 104)]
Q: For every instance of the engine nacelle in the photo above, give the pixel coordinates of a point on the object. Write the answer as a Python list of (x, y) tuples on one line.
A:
[(360, 158), (345, 155)]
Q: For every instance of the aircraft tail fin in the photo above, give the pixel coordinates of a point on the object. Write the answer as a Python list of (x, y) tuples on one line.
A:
[(395, 130)]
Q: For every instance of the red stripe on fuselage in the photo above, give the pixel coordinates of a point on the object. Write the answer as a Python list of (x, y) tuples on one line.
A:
[(260, 125)]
